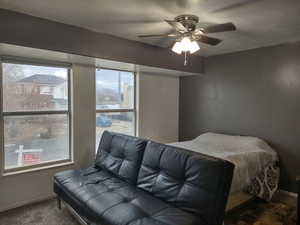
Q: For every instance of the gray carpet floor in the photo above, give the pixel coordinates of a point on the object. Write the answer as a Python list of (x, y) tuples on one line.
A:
[(256, 213), (44, 213)]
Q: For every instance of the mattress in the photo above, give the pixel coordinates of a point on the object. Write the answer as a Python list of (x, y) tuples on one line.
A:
[(250, 155)]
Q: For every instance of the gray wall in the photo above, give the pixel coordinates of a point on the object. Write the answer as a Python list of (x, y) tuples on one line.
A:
[(254, 92), (158, 102), (24, 30)]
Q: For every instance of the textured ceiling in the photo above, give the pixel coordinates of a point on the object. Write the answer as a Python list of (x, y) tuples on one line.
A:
[(260, 22)]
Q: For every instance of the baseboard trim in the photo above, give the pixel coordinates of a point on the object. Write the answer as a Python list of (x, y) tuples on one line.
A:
[(287, 193), (27, 202)]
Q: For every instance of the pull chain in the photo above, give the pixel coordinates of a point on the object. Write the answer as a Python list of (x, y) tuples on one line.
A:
[(185, 60)]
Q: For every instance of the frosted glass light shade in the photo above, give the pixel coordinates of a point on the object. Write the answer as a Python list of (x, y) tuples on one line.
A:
[(194, 46), (177, 48), (185, 44)]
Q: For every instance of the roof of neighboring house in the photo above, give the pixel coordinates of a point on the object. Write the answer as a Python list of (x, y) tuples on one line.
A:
[(43, 79)]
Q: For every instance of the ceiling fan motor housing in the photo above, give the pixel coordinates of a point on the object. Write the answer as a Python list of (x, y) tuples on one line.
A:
[(188, 21)]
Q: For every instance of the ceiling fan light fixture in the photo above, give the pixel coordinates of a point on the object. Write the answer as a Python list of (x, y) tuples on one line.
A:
[(185, 45)]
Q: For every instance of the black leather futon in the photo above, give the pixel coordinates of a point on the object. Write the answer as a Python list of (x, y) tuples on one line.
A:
[(140, 182)]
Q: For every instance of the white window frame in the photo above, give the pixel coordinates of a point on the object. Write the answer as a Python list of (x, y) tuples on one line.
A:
[(68, 112), (133, 110)]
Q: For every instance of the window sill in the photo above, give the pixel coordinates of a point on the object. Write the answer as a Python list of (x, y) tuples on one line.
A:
[(29, 170)]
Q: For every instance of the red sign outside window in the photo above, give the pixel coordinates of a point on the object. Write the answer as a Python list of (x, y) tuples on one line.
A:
[(31, 158)]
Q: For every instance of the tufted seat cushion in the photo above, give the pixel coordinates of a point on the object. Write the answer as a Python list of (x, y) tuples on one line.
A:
[(190, 181), (121, 155), (104, 199)]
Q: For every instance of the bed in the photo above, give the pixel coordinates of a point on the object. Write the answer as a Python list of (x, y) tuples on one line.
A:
[(256, 164)]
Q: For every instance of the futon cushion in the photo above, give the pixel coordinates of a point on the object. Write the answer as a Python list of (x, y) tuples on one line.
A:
[(121, 155), (191, 181), (101, 198)]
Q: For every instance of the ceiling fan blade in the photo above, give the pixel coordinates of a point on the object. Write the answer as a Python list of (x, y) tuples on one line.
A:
[(157, 35), (208, 40), (170, 46), (219, 28), (177, 26)]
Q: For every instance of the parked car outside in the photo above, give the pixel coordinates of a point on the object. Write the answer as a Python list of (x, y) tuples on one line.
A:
[(103, 121)]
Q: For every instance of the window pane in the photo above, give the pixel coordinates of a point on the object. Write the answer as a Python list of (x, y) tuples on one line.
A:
[(121, 122), (115, 89), (32, 140), (34, 88)]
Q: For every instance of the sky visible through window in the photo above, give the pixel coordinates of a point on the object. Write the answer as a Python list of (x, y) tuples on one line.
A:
[(108, 80), (29, 70)]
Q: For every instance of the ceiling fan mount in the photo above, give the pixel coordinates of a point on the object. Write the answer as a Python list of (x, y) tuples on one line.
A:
[(188, 21)]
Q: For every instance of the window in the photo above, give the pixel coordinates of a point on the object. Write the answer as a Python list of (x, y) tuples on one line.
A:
[(115, 102), (36, 115)]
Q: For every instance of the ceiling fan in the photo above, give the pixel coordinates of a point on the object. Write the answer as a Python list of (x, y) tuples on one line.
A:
[(188, 33)]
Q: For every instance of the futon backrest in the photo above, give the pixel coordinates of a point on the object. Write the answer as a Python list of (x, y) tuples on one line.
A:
[(191, 181), (121, 155)]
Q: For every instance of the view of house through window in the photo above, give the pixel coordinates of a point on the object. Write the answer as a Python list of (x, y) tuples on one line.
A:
[(115, 102), (35, 113)]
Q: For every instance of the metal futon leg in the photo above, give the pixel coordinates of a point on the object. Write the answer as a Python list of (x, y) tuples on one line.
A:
[(59, 203)]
